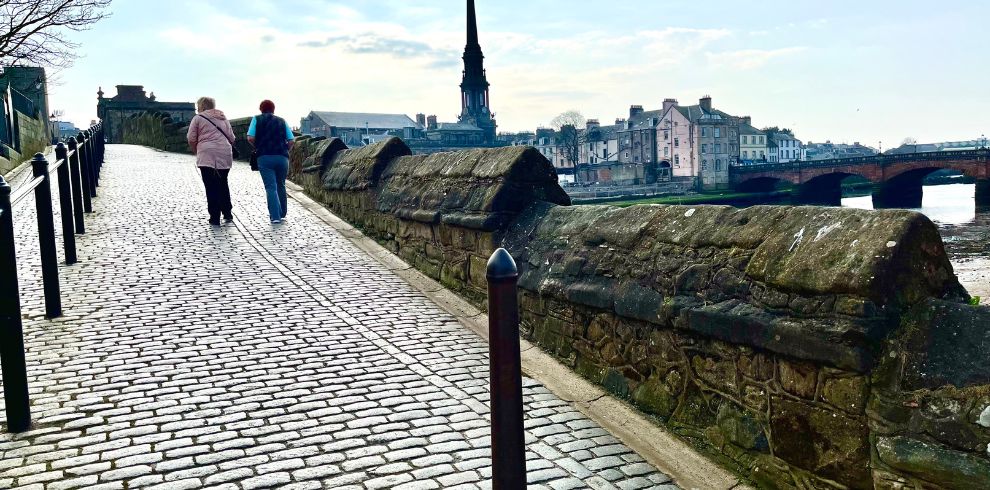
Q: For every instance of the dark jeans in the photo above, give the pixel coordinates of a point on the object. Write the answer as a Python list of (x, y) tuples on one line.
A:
[(217, 192)]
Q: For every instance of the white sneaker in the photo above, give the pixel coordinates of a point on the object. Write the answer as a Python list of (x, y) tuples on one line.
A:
[(276, 221)]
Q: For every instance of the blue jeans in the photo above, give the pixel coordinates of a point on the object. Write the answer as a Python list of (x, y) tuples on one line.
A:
[(273, 169)]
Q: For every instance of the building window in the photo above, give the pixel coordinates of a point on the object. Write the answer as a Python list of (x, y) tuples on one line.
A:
[(704, 165), (666, 135), (718, 132), (666, 151), (704, 149), (744, 140), (677, 160), (718, 148), (677, 142), (718, 165), (745, 153), (704, 132), (627, 154)]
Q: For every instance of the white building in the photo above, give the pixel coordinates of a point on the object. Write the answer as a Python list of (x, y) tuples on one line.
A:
[(784, 148)]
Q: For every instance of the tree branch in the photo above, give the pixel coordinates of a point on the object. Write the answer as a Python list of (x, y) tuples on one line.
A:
[(36, 27)]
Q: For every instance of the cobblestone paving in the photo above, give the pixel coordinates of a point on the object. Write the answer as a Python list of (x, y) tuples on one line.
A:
[(259, 356)]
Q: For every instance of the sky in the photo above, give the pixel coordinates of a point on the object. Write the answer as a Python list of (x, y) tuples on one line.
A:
[(869, 71)]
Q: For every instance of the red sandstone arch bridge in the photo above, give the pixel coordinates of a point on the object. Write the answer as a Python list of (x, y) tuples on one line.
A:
[(897, 179)]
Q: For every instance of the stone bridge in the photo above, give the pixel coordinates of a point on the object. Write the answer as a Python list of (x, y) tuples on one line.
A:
[(801, 347), (897, 178)]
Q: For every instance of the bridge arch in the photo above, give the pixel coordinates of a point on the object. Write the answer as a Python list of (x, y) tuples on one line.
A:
[(824, 189), (903, 189), (912, 169)]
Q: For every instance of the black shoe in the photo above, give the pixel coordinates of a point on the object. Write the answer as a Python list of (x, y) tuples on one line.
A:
[(215, 221), (228, 218)]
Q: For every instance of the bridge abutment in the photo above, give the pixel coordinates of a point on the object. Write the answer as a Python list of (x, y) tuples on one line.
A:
[(898, 193), (983, 193)]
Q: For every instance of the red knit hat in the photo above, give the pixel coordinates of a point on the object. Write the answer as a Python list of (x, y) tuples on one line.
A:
[(267, 106)]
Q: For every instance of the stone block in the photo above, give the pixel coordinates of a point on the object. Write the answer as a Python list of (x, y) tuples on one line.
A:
[(756, 366), (660, 393), (934, 463), (821, 441), (742, 428), (846, 393), (798, 378)]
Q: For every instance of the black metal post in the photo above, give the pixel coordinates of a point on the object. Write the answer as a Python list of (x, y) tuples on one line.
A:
[(65, 204), (86, 174), (12, 363), (94, 160), (46, 237), (508, 440), (74, 175)]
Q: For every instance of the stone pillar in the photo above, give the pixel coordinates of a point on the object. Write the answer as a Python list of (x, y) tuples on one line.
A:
[(983, 193), (898, 193)]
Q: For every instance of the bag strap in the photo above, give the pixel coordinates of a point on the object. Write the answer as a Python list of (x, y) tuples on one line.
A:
[(215, 126)]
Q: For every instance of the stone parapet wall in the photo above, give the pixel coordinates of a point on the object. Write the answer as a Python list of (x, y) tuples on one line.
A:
[(33, 138), (157, 130), (804, 347)]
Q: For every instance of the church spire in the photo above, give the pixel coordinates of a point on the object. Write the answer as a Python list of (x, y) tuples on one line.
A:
[(472, 27), (475, 107)]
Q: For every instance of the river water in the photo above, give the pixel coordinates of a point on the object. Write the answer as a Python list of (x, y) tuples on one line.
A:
[(965, 231)]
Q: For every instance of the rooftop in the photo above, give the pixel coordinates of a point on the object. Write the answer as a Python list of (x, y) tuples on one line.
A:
[(366, 119)]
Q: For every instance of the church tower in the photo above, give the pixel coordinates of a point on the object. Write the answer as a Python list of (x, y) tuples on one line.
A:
[(475, 108)]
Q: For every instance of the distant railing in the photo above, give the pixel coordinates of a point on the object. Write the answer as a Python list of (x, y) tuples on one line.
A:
[(641, 190), (78, 166), (882, 160)]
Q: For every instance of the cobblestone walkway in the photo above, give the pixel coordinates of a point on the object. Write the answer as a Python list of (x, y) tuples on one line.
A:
[(260, 356)]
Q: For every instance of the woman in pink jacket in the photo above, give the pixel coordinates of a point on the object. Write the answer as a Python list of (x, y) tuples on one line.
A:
[(210, 137)]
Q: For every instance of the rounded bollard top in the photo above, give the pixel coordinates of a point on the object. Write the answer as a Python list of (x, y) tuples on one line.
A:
[(502, 266), (60, 145), (39, 165)]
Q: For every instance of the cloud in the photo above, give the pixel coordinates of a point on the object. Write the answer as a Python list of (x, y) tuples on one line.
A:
[(749, 59), (372, 43)]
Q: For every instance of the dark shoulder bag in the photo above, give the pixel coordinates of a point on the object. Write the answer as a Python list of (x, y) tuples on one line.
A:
[(233, 145)]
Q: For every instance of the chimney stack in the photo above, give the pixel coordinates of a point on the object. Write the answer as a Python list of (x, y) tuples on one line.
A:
[(635, 110), (421, 119), (668, 103), (431, 122), (748, 120), (620, 121), (706, 103), (592, 124)]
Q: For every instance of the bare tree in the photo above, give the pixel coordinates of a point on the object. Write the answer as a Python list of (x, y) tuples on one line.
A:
[(33, 32), (569, 135)]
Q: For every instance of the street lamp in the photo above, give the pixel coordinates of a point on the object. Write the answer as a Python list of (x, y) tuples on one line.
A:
[(54, 126)]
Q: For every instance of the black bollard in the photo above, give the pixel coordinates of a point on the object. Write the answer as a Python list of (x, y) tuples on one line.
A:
[(12, 364), (508, 440), (46, 237), (74, 175), (65, 204), (94, 159), (86, 173)]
